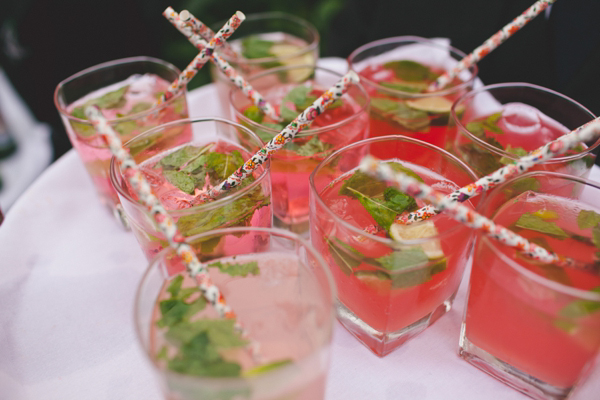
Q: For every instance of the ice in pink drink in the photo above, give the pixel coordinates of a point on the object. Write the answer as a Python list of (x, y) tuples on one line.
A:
[(497, 139), (291, 166), (540, 331), (281, 309), (125, 104), (179, 175)]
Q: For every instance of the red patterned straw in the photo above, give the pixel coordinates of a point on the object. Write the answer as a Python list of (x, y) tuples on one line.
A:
[(198, 62), (223, 65), (467, 216), (584, 133), (164, 221), (491, 44), (203, 30), (304, 120)]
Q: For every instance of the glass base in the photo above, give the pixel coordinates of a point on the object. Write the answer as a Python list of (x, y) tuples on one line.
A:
[(508, 374), (299, 228), (383, 343)]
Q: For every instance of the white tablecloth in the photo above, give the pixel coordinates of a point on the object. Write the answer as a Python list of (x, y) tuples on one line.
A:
[(67, 280)]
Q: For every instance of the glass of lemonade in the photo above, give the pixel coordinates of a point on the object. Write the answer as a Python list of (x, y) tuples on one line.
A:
[(534, 326), (264, 41), (393, 280), (291, 90), (396, 72), (494, 125), (125, 90), (184, 158), (282, 294)]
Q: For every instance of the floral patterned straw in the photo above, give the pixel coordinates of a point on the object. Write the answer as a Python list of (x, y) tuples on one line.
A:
[(467, 216), (198, 62), (203, 30), (288, 133), (491, 44), (166, 225), (559, 146), (223, 65)]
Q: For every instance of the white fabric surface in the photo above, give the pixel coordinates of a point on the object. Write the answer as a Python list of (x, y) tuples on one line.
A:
[(67, 281)]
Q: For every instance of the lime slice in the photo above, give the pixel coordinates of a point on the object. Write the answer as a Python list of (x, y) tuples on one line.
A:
[(284, 51), (431, 105), (419, 230)]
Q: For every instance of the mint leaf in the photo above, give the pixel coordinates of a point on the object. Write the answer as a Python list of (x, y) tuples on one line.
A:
[(537, 224), (596, 236), (345, 256), (581, 308), (363, 183), (409, 118), (410, 71), (379, 210), (298, 96), (312, 147), (175, 285), (420, 269), (180, 180), (254, 113), (254, 47), (416, 87), (398, 201), (126, 128), (521, 186), (491, 123), (481, 160), (139, 107), (383, 106), (399, 260), (179, 157), (587, 219), (221, 332), (220, 166), (516, 151), (476, 128), (114, 99), (405, 170), (237, 269)]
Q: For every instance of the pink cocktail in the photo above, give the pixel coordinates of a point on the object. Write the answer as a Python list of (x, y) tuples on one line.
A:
[(344, 122), (495, 125), (396, 73), (282, 294), (125, 90), (535, 326), (393, 280), (185, 158)]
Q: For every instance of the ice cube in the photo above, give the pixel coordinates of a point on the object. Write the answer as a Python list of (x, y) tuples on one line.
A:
[(520, 118)]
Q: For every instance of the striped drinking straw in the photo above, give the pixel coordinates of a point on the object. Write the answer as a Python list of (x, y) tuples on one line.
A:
[(466, 216), (203, 30), (584, 133), (198, 62), (491, 44), (241, 83)]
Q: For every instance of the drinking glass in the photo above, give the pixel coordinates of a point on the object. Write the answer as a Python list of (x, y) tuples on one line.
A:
[(388, 290), (248, 204), (497, 124), (264, 41), (282, 294), (151, 76), (397, 85), (343, 123), (533, 326)]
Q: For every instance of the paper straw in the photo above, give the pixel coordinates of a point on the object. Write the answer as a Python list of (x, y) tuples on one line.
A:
[(288, 133), (223, 65), (198, 62), (203, 30), (164, 221), (584, 133), (491, 44), (467, 216)]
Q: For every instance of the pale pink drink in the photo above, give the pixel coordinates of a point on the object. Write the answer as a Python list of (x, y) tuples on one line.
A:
[(345, 121), (179, 172), (125, 90), (264, 41), (536, 327), (393, 281), (282, 295), (495, 125)]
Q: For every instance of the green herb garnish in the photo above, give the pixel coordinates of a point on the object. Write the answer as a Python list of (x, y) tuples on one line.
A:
[(410, 71), (587, 219), (237, 269), (535, 223)]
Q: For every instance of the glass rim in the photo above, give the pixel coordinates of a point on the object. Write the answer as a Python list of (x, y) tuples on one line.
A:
[(210, 205), (313, 45), (528, 86), (113, 63), (154, 263), (473, 69), (384, 240), (307, 132), (494, 244)]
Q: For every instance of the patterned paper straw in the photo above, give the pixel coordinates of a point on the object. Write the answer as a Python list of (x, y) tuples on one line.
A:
[(491, 44), (288, 133), (584, 133), (198, 62), (203, 30), (223, 65), (164, 221), (467, 216)]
